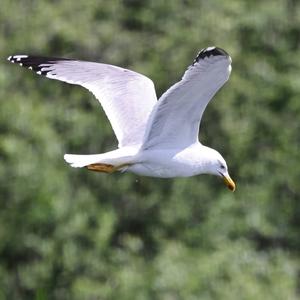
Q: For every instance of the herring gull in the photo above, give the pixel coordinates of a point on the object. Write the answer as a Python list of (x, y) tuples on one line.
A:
[(157, 138)]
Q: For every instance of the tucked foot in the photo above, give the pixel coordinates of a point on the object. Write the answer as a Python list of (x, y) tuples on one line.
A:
[(104, 168)]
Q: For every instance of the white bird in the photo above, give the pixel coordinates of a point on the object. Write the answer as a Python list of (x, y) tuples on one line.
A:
[(156, 138)]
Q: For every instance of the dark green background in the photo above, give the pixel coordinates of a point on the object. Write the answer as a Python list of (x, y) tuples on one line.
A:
[(72, 234)]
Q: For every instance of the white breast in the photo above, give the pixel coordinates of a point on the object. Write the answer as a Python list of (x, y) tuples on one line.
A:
[(166, 163)]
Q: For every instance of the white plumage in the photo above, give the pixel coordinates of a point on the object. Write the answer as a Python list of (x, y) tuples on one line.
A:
[(156, 138)]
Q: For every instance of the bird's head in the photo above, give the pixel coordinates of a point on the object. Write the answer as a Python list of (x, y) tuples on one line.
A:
[(217, 166), (222, 171)]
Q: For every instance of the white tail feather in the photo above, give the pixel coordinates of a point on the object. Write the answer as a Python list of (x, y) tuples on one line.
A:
[(79, 161), (115, 158)]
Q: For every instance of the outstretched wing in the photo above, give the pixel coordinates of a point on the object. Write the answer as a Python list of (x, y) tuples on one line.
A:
[(175, 119), (127, 97)]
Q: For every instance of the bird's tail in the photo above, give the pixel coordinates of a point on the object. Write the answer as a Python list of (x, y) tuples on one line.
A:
[(79, 161), (106, 162)]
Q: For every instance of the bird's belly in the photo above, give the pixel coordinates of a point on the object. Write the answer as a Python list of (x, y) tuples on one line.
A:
[(164, 166), (152, 170)]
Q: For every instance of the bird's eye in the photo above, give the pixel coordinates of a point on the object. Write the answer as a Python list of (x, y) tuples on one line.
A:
[(222, 167)]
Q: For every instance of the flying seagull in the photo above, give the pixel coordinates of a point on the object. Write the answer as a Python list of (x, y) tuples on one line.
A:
[(156, 138)]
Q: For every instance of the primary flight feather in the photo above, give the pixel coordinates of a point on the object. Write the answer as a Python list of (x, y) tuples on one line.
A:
[(156, 138)]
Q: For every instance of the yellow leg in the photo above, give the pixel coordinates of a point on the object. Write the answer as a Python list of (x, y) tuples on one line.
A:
[(105, 168)]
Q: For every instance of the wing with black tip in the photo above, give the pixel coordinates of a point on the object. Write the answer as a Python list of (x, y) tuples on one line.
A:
[(127, 97), (175, 119)]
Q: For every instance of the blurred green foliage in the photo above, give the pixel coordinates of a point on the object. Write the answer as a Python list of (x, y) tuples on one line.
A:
[(72, 234)]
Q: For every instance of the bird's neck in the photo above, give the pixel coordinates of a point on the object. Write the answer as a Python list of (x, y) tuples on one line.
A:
[(206, 159)]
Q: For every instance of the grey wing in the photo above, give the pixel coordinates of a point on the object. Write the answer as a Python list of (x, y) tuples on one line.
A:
[(175, 119), (127, 97)]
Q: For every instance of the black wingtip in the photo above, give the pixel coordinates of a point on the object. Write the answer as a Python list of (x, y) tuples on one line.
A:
[(210, 51), (17, 58), (35, 63)]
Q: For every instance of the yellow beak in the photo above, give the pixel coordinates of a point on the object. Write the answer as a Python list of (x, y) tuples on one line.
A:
[(229, 182)]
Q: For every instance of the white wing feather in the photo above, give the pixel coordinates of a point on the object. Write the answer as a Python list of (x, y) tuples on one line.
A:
[(127, 97), (175, 119)]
